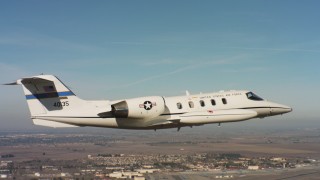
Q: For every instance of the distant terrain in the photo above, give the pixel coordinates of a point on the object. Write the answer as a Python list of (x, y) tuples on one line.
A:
[(63, 143), (52, 145)]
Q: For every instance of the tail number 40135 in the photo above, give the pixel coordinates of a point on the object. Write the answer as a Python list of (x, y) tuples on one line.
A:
[(61, 104)]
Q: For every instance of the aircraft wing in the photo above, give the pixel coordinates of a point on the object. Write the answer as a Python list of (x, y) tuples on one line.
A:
[(166, 122), (53, 124)]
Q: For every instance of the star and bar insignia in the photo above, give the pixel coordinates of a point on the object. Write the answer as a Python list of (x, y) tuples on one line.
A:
[(147, 105)]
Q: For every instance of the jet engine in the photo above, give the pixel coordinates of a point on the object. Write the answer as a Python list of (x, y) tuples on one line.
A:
[(139, 108)]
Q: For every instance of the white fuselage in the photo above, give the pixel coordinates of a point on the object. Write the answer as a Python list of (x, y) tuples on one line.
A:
[(178, 111)]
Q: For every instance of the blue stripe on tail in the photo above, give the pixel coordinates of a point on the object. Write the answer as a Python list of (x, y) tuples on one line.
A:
[(49, 95)]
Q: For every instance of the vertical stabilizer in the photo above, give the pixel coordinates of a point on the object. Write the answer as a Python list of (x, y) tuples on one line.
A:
[(45, 93)]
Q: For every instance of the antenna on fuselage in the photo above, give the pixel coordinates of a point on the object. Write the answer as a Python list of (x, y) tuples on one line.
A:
[(187, 93)]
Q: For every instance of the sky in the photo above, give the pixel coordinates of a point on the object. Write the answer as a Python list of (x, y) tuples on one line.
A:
[(125, 49)]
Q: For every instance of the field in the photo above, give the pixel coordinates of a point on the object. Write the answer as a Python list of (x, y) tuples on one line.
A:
[(285, 143), (69, 144)]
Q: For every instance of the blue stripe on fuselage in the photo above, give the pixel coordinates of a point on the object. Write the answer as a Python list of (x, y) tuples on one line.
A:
[(49, 95)]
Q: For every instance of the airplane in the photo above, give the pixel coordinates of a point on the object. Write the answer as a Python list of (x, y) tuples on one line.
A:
[(53, 104)]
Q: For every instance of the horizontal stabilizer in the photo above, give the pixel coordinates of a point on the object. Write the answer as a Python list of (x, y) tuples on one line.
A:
[(13, 83), (33, 80), (53, 124)]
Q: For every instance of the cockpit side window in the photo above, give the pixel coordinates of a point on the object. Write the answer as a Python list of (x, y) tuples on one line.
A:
[(252, 96)]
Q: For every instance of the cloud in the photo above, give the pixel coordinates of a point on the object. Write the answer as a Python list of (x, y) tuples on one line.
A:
[(194, 65), (246, 70), (159, 76), (39, 41), (213, 61), (167, 61), (134, 43), (276, 49)]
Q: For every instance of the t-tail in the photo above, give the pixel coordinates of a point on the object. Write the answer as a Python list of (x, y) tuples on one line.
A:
[(47, 95)]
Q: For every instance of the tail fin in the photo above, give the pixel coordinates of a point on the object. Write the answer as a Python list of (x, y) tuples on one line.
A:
[(46, 93)]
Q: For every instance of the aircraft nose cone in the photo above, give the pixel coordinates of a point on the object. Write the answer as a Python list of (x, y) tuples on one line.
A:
[(287, 109), (280, 109)]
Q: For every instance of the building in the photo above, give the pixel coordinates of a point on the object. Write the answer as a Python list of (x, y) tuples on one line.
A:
[(139, 178), (253, 167), (124, 175), (145, 171), (115, 175)]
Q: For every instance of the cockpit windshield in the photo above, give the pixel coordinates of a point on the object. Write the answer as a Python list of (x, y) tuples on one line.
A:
[(253, 96)]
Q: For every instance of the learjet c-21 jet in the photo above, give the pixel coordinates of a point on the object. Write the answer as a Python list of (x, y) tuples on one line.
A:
[(53, 104)]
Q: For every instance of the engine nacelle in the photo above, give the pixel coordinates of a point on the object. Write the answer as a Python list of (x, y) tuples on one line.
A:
[(139, 108)]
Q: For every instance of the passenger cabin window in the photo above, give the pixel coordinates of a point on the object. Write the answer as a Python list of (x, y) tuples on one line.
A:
[(179, 105), (224, 101), (213, 102), (191, 104), (254, 97), (202, 103)]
